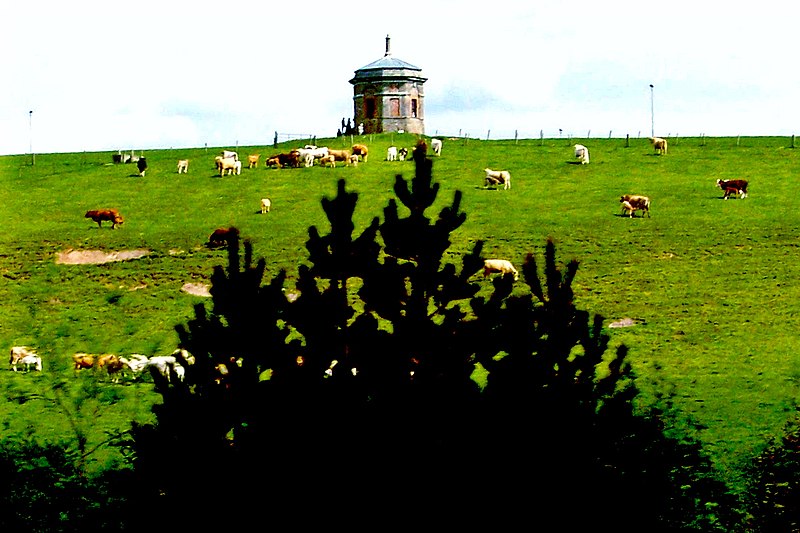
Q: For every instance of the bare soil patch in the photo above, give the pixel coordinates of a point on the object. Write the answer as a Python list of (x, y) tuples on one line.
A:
[(96, 257), (197, 289)]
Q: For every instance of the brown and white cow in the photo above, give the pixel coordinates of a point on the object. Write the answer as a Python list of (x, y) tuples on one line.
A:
[(361, 151), (733, 187), (497, 177), (22, 356), (634, 202)]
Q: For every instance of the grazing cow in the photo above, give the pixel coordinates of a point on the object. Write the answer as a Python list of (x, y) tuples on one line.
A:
[(292, 159), (354, 160), (341, 155), (168, 367), (141, 164), (733, 187), (228, 164), (402, 153), (23, 356), (227, 153), (252, 160), (436, 146), (499, 265), (498, 177), (265, 205), (183, 166), (30, 362), (135, 363), (162, 367), (582, 153), (221, 236), (310, 153), (99, 215), (360, 150), (112, 364), (83, 360), (634, 202), (391, 153), (328, 160), (659, 144)]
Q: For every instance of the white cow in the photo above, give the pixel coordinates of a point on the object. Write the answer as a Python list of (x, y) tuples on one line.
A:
[(183, 166), (135, 363), (228, 153), (502, 266), (163, 366), (228, 164), (436, 146), (31, 361), (582, 153), (391, 153), (24, 356), (310, 153), (498, 177)]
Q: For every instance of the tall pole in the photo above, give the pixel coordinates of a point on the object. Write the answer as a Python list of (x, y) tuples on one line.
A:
[(652, 115), (30, 128)]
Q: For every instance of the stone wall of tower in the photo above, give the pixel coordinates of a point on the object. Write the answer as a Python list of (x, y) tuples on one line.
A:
[(390, 105)]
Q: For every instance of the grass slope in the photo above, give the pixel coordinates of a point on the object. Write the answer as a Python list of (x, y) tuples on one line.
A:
[(714, 285)]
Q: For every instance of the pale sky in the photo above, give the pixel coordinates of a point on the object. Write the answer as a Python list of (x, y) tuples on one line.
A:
[(178, 74)]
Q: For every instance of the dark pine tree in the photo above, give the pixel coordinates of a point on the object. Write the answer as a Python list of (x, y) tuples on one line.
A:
[(350, 399)]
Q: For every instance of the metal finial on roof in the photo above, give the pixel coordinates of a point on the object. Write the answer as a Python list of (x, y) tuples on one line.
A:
[(387, 46)]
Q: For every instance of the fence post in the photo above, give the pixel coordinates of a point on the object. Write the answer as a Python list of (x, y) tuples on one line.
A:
[(487, 134), (792, 140), (275, 141), (541, 137), (627, 140), (515, 136)]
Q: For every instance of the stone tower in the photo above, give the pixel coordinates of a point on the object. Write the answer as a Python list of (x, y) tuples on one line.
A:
[(388, 96)]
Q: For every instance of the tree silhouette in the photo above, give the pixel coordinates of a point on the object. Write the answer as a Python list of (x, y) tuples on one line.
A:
[(352, 395)]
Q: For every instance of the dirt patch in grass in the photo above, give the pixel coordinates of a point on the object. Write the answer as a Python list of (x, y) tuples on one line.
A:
[(96, 257), (197, 289)]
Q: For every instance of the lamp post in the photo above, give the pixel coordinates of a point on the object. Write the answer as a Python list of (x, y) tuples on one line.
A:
[(30, 128), (652, 116)]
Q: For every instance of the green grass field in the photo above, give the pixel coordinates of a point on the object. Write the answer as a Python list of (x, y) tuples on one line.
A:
[(713, 285)]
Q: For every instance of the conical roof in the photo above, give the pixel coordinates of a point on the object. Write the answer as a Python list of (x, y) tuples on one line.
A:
[(388, 67), (389, 62)]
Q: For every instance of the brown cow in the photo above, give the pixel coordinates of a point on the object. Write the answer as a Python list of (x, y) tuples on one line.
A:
[(99, 215), (83, 360), (112, 364), (221, 237), (360, 150)]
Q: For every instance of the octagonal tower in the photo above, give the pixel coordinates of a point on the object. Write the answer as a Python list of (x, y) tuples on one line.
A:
[(388, 96)]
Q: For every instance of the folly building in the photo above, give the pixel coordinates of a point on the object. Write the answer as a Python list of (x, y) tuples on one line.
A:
[(388, 96)]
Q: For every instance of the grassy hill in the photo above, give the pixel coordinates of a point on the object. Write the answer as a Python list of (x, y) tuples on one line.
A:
[(712, 285)]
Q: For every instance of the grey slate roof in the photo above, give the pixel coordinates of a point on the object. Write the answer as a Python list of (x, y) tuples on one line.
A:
[(389, 62)]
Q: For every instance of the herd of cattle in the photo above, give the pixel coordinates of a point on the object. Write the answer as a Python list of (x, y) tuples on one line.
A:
[(116, 367), (171, 367)]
